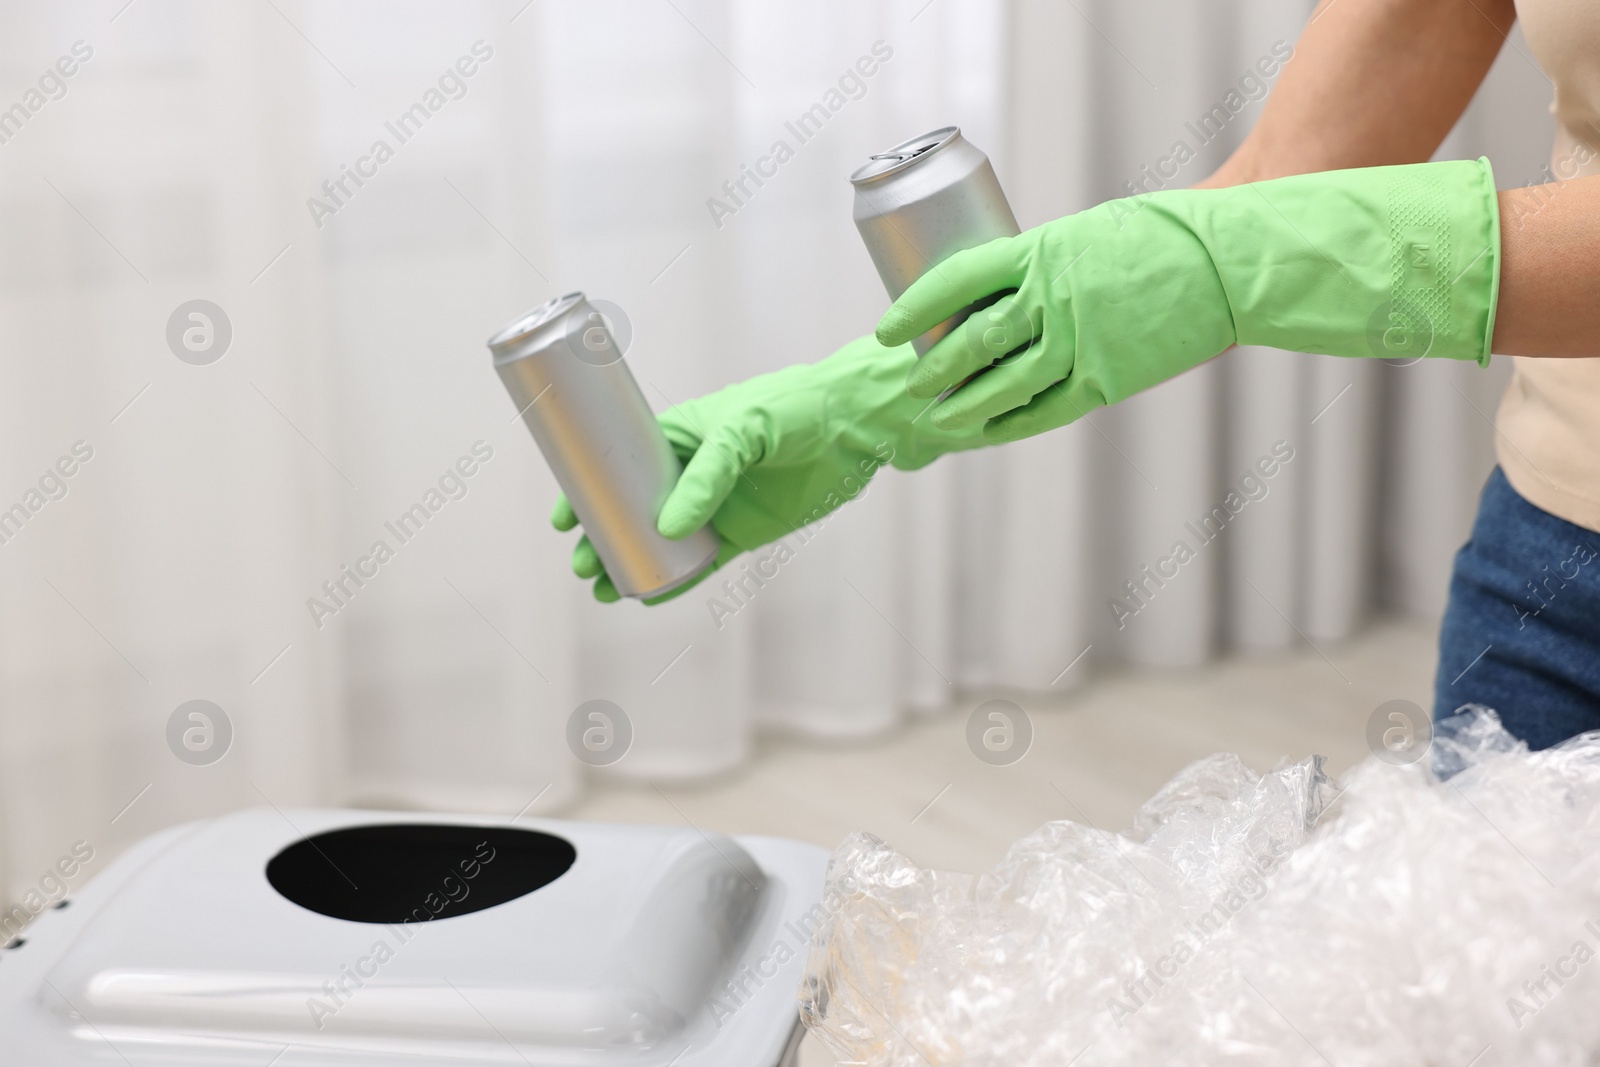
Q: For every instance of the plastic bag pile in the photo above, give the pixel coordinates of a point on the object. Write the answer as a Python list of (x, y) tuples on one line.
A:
[(1422, 917)]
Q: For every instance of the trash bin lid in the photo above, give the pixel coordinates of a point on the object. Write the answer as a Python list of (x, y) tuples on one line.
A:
[(354, 936)]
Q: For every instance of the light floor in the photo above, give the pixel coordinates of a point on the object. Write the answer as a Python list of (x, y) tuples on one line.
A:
[(1097, 754)]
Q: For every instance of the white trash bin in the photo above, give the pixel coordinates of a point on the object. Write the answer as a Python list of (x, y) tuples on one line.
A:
[(329, 938)]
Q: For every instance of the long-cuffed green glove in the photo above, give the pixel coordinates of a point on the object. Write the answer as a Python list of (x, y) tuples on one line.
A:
[(1384, 261), (766, 456)]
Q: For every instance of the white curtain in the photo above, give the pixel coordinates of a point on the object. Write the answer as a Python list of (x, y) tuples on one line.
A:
[(580, 153)]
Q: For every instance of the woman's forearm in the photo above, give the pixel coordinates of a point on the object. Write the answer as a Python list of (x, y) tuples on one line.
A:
[(1550, 270), (1375, 82), (1372, 82)]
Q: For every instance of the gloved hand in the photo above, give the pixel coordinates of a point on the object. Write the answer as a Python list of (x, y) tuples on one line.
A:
[(1383, 261), (768, 455)]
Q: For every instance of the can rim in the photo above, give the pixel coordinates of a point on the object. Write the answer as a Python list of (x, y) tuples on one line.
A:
[(529, 321), (905, 154)]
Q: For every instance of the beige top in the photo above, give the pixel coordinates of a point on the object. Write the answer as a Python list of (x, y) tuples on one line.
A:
[(1549, 421)]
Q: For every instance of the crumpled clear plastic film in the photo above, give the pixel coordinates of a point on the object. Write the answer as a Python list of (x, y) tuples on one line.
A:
[(1246, 919)]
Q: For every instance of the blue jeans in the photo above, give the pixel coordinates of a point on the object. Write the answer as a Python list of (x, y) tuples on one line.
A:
[(1521, 633)]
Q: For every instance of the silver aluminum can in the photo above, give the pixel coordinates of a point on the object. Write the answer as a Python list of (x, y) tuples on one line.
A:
[(568, 379), (921, 202)]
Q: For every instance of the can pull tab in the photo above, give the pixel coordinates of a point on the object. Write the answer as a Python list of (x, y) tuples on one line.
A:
[(899, 157)]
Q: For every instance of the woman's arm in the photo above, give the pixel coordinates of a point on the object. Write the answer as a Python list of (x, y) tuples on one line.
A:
[(1375, 82), (1550, 270), (1372, 82)]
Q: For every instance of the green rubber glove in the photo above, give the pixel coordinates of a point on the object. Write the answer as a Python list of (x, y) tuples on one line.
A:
[(766, 456), (1384, 261)]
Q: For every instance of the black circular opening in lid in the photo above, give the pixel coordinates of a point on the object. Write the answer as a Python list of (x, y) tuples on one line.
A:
[(395, 872)]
